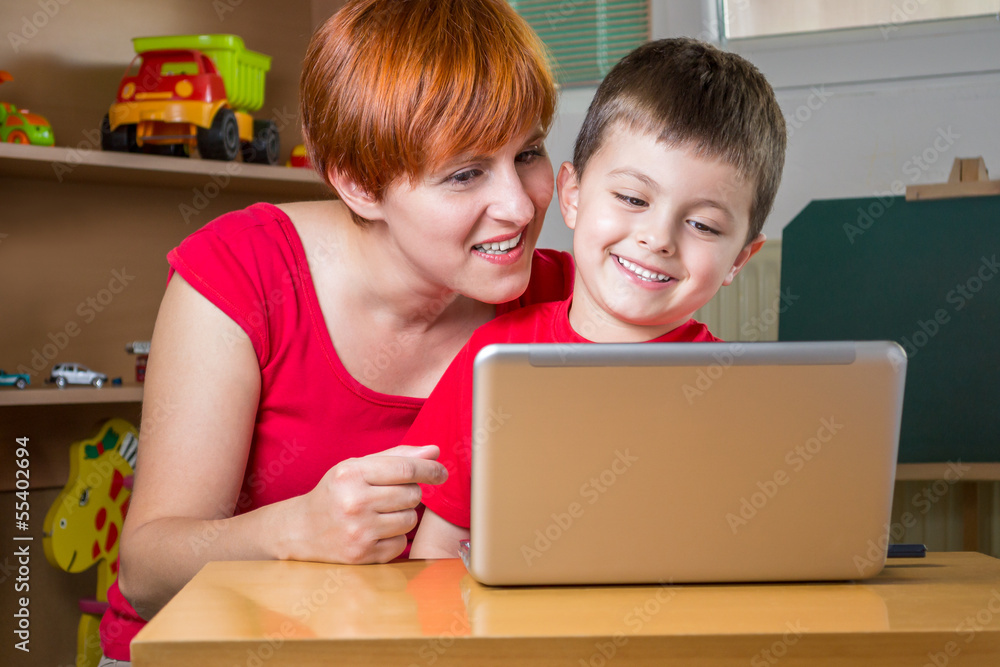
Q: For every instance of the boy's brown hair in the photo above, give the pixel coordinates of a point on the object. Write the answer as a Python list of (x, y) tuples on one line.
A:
[(690, 94), (394, 88)]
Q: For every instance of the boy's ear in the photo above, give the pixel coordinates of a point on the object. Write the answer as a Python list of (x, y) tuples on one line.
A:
[(569, 193), (356, 198), (749, 250)]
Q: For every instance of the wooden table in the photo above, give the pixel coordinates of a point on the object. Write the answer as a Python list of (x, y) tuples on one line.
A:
[(940, 610)]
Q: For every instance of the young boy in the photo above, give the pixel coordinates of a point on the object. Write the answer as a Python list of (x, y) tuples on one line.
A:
[(673, 174)]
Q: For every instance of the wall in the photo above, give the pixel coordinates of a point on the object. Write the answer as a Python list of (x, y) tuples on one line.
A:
[(869, 111)]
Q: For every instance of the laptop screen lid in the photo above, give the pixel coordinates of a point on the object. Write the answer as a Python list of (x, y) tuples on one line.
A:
[(683, 462)]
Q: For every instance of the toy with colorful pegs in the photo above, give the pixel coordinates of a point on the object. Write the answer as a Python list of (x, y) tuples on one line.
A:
[(84, 522)]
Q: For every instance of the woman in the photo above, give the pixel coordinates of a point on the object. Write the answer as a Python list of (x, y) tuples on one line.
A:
[(295, 344)]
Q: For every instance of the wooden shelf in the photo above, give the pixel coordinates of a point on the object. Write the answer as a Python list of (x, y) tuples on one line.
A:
[(60, 165), (74, 215), (958, 471), (71, 395)]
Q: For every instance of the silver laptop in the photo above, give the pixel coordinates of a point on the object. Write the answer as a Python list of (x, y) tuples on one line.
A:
[(690, 462)]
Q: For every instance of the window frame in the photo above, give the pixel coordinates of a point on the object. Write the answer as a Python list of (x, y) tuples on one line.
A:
[(885, 29), (846, 56)]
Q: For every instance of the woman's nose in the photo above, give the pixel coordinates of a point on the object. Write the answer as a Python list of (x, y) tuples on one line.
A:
[(512, 202)]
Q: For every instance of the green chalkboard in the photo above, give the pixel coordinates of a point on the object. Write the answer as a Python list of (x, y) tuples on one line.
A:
[(924, 274)]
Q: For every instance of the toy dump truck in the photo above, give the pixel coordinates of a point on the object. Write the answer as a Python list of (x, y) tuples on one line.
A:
[(192, 91)]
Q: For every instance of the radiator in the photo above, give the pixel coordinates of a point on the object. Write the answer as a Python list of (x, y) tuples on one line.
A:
[(922, 511), (748, 310), (931, 512)]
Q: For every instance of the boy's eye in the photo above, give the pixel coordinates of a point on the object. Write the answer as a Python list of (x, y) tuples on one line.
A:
[(702, 227), (631, 201)]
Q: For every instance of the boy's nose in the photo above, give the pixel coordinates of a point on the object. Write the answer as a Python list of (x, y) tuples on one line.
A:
[(656, 238)]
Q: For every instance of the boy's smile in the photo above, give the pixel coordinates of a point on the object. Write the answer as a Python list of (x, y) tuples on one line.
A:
[(657, 231), (649, 278)]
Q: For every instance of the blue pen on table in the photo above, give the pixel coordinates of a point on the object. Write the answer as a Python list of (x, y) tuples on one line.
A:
[(906, 551)]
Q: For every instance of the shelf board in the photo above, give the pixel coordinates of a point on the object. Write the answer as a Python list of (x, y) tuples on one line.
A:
[(61, 164), (949, 471), (70, 395)]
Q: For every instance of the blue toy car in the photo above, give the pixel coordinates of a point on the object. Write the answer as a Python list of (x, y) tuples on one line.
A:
[(19, 380)]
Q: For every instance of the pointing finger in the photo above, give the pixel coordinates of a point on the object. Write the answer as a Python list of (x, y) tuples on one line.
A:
[(382, 470)]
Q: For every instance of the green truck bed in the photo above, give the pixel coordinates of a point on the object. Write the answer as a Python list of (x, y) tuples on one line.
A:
[(242, 70)]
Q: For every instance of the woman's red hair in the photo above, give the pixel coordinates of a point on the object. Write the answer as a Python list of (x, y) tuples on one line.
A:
[(399, 87)]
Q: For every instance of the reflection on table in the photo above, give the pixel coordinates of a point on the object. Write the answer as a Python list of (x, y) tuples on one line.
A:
[(432, 613)]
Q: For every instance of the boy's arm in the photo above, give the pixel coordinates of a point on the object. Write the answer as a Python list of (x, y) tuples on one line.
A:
[(437, 538), (446, 418)]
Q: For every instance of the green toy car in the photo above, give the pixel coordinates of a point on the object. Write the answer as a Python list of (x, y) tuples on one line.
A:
[(20, 126)]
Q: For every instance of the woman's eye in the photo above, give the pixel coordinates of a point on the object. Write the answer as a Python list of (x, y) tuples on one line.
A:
[(530, 155), (464, 177), (702, 227), (632, 201)]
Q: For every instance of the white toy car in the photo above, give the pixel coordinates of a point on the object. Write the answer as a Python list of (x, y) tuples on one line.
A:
[(64, 374)]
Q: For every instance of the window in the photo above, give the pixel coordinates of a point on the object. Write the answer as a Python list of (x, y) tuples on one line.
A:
[(758, 18), (586, 37), (179, 68)]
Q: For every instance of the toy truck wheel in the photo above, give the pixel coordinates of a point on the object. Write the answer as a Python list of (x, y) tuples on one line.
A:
[(121, 139), (18, 137), (265, 146), (222, 140), (21, 383)]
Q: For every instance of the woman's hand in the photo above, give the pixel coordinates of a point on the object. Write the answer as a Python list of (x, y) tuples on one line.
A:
[(362, 508)]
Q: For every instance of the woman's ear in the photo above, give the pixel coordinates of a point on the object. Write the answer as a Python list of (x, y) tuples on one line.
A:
[(749, 250), (356, 198), (569, 193)]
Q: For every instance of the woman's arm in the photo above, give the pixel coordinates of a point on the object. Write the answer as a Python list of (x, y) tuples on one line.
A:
[(437, 538), (201, 394)]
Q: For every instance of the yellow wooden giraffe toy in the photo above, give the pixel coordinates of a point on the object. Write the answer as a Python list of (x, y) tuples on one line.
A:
[(84, 522)]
